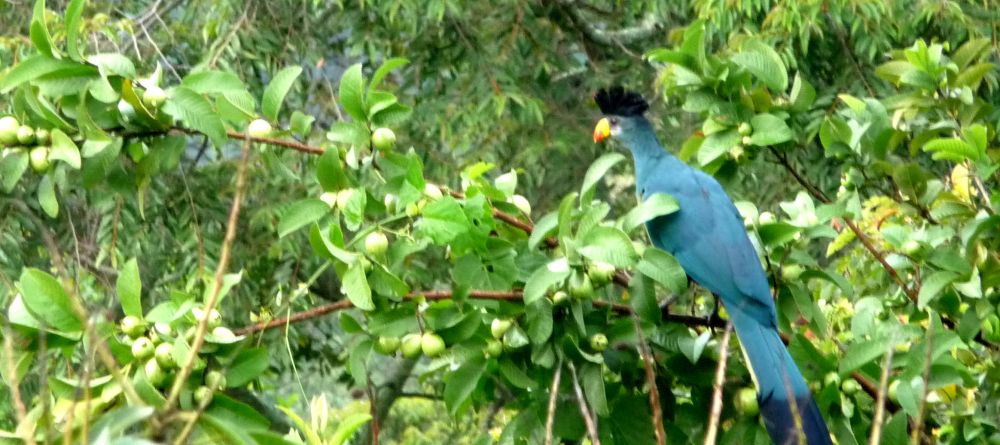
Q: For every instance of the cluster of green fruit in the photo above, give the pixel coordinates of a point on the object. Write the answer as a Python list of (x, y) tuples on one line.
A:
[(20, 137), (412, 345), (153, 350), (582, 283)]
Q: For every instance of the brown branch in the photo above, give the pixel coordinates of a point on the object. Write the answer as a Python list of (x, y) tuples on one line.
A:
[(588, 419), (655, 413), (553, 395), (876, 435), (720, 378)]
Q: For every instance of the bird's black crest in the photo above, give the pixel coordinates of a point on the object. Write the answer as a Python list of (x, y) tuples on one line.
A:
[(620, 102)]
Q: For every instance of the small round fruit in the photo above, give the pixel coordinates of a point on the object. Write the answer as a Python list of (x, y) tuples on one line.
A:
[(432, 344), (8, 130), (215, 379), (499, 327), (165, 355), (493, 348), (390, 203), (850, 386), (203, 395), (911, 247), (376, 243), (559, 297), (412, 210), (383, 138), (214, 319), (330, 198), (40, 158), (154, 97), (894, 391), (600, 273), (831, 379), (142, 348), (25, 135), (598, 342), (580, 286), (522, 204), (41, 136), (791, 272), (132, 326), (746, 402), (433, 192), (387, 345), (766, 218), (411, 346), (259, 128), (746, 140), (744, 129), (154, 373)]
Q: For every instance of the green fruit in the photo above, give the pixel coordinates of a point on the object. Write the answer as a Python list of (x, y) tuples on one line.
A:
[(142, 348), (8, 130), (744, 129), (791, 272), (745, 140), (390, 203), (387, 345), (600, 273), (163, 329), (203, 395), (132, 326), (580, 285), (766, 218), (41, 136), (831, 379), (499, 327), (493, 348), (376, 244), (432, 344), (411, 346), (25, 135), (40, 158), (215, 379), (165, 355), (902, 347), (154, 373), (522, 204), (894, 391), (746, 402), (214, 319), (598, 342), (850, 386), (154, 97), (259, 128), (329, 198), (433, 192), (412, 209), (911, 247), (559, 297), (383, 138)]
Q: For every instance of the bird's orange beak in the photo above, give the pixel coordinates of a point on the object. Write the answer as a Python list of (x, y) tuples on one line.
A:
[(602, 130)]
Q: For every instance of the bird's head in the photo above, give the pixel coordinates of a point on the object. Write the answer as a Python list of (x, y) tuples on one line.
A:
[(622, 111)]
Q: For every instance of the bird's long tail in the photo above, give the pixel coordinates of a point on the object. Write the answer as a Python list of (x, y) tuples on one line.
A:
[(786, 404)]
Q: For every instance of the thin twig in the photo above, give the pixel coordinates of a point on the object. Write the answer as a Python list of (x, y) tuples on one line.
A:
[(588, 419), (918, 429), (553, 395), (15, 383), (655, 413), (720, 378), (883, 385), (373, 409), (220, 272)]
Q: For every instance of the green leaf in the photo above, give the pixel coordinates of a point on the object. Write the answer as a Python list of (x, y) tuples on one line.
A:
[(113, 423), (543, 278), (32, 68), (74, 11), (597, 171), (776, 234), (663, 268), (384, 70), (12, 167), (716, 145), (543, 227), (355, 285), (972, 76), (610, 245), (861, 353), (515, 374), (394, 114), (933, 285), (658, 204), (443, 220), (300, 214), (64, 149), (311, 437), (46, 299), (803, 95), (951, 149), (47, 196), (197, 113), (214, 82), (462, 383), (129, 288), (112, 64), (348, 426), (769, 129), (39, 32), (764, 63), (538, 317), (330, 171), (592, 380), (249, 364), (301, 123), (352, 84), (353, 133), (274, 94)]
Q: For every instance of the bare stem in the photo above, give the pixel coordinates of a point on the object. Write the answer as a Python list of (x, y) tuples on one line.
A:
[(720, 378), (553, 395), (883, 385), (655, 413), (588, 419)]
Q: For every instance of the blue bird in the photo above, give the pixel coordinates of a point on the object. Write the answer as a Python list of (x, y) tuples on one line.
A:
[(708, 239)]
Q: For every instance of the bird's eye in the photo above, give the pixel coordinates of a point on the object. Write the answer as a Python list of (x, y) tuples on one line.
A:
[(613, 121)]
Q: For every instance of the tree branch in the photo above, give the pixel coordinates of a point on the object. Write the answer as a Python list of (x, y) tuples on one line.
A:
[(588, 419), (649, 27), (720, 378), (553, 395)]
